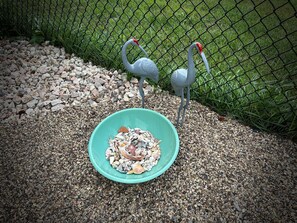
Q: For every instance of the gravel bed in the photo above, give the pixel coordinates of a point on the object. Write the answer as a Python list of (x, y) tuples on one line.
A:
[(38, 79), (225, 171)]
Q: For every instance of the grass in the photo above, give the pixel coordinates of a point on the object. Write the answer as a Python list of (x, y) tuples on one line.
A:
[(251, 47)]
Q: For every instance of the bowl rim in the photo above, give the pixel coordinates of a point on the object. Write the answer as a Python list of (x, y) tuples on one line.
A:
[(140, 180)]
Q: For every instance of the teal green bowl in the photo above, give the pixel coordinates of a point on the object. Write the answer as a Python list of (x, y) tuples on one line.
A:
[(145, 119)]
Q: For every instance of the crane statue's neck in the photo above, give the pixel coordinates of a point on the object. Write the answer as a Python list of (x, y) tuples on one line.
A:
[(126, 63), (191, 66)]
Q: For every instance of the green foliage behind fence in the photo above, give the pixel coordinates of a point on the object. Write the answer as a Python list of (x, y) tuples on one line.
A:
[(251, 46)]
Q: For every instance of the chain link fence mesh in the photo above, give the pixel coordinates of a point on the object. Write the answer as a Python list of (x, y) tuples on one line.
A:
[(250, 45)]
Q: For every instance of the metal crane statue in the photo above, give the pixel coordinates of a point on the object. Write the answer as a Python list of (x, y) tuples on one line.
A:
[(183, 78), (143, 67)]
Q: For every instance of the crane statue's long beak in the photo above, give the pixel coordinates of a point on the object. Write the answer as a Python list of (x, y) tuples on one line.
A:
[(205, 62), (143, 50)]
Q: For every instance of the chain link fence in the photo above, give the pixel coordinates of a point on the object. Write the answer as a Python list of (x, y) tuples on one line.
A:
[(251, 46)]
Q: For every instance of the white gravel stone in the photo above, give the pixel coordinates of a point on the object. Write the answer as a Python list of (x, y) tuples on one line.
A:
[(76, 103), (17, 99), (92, 103), (46, 75), (26, 98), (101, 88), (130, 95), (95, 92), (52, 97), (11, 105), (126, 98), (56, 102), (91, 87), (74, 94), (99, 81), (43, 104), (57, 107), (134, 80), (30, 111), (149, 89), (43, 69), (31, 104), (64, 75), (18, 108)]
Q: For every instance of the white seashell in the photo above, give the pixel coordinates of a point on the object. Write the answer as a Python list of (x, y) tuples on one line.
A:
[(138, 152), (151, 159), (111, 159), (107, 153), (144, 153), (156, 154), (115, 164), (120, 137)]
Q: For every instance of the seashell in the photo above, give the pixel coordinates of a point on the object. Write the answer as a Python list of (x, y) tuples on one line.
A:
[(136, 169), (134, 137), (134, 140), (123, 144), (156, 154), (107, 153), (120, 137), (129, 163), (131, 148), (116, 156), (115, 164), (157, 141), (111, 159), (120, 168), (123, 129), (115, 146), (130, 157), (151, 159), (143, 153), (138, 151)]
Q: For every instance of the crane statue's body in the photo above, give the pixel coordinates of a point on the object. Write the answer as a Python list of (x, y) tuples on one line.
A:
[(183, 78), (143, 67)]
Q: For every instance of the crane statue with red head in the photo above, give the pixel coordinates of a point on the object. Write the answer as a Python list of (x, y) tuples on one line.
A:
[(183, 78)]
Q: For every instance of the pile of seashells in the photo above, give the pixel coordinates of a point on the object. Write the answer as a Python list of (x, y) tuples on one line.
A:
[(133, 151)]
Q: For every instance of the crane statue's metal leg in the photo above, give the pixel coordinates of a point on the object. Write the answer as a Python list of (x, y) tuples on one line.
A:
[(180, 107), (186, 105), (141, 90)]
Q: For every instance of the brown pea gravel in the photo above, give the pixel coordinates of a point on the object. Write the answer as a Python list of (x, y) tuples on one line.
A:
[(224, 172)]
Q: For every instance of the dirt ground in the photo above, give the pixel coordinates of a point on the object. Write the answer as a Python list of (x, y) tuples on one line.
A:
[(224, 172)]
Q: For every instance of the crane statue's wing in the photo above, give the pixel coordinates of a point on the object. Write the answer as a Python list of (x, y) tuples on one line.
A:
[(145, 67)]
